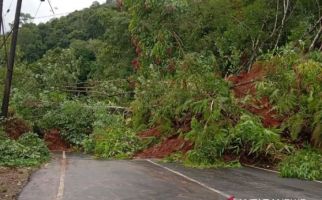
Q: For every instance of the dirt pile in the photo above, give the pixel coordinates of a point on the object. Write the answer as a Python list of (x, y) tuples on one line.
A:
[(167, 147), (54, 141), (153, 132), (265, 110), (244, 83)]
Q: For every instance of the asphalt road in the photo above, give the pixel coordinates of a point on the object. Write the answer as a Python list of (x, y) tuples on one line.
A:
[(78, 177)]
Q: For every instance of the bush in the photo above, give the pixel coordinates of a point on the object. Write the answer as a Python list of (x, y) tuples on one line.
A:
[(293, 85), (114, 141), (208, 154), (194, 160), (33, 107), (28, 150), (249, 136), (2, 132), (304, 164), (210, 144), (73, 118)]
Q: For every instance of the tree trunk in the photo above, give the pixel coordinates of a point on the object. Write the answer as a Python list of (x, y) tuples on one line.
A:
[(286, 6), (1, 9), (316, 38)]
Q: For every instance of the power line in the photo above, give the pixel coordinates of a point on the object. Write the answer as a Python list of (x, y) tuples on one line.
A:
[(4, 44), (38, 9), (51, 7), (54, 15), (1, 10), (5, 37)]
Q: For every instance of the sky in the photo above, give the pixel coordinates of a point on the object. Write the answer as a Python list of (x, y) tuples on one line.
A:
[(61, 7)]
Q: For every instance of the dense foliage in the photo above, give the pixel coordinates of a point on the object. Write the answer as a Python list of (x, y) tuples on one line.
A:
[(74, 120), (293, 85), (28, 150), (113, 140)]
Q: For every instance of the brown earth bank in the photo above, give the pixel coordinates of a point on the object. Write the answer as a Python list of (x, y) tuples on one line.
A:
[(245, 84), (153, 132), (54, 141), (12, 181), (166, 148)]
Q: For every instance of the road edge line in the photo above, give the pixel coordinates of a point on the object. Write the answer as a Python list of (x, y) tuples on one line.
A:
[(273, 171), (61, 187), (260, 168), (191, 179)]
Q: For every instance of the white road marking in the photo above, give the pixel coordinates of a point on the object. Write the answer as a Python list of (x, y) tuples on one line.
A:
[(61, 188), (191, 179), (273, 171), (268, 170)]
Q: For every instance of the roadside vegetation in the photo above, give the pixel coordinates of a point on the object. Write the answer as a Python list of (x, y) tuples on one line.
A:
[(206, 83)]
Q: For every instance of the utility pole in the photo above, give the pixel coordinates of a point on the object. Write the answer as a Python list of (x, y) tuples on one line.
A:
[(1, 8), (11, 62)]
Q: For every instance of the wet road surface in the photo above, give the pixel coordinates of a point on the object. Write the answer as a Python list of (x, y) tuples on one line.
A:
[(81, 178)]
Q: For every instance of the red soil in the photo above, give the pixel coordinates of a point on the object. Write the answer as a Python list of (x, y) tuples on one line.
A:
[(15, 127), (154, 132), (265, 110), (245, 84), (169, 146), (54, 141), (245, 81)]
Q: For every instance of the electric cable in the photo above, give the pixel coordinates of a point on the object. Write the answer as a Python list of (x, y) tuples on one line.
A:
[(51, 7), (57, 14), (5, 45), (5, 37), (37, 10)]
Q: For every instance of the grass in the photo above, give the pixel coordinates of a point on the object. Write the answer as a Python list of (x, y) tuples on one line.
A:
[(304, 164)]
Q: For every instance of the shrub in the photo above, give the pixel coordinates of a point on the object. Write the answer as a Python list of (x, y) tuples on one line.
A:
[(73, 118), (114, 141), (293, 86), (304, 164), (210, 144), (209, 156), (28, 150), (2, 133), (249, 136), (33, 107), (193, 160)]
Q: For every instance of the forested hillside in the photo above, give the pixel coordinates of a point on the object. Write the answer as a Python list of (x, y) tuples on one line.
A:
[(212, 83)]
